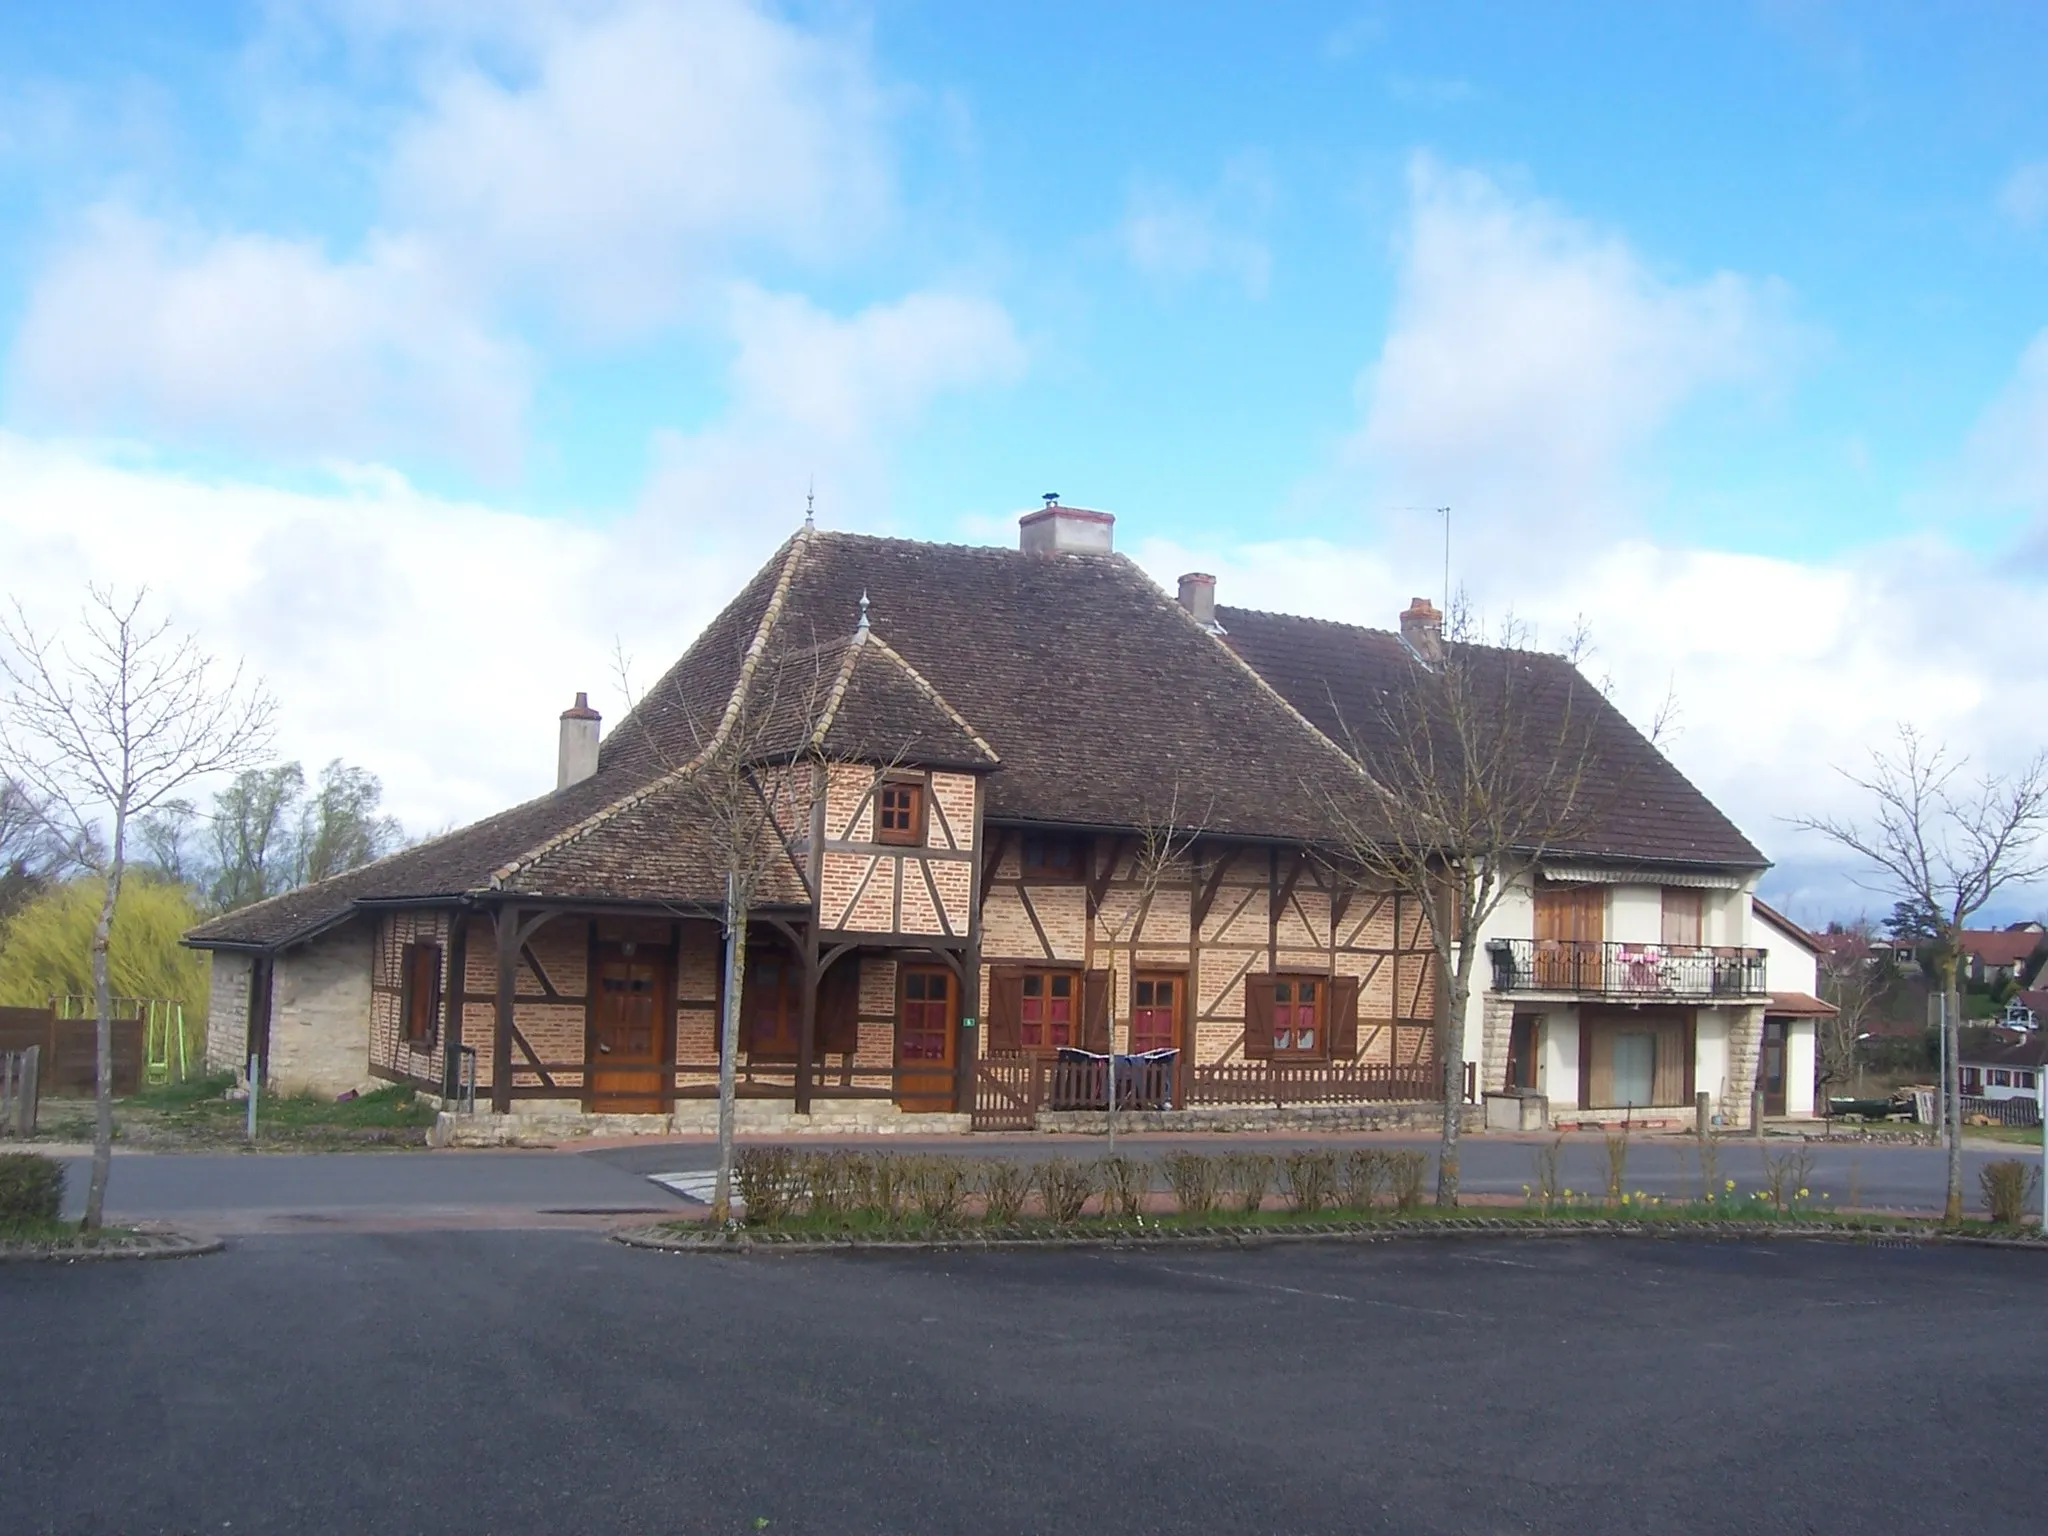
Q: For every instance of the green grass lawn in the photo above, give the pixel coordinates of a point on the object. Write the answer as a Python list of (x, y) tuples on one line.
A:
[(198, 1113)]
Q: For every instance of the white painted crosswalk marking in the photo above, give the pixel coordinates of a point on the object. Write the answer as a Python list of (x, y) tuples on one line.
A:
[(692, 1186)]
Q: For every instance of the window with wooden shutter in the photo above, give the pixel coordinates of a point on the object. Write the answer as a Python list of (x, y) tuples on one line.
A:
[(1095, 1011), (1258, 1017), (1343, 1017), (1005, 1004), (839, 1008), (1299, 1014), (1684, 918), (420, 992)]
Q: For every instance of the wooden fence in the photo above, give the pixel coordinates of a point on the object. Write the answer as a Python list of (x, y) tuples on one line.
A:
[(1009, 1091), (19, 1092), (70, 1051)]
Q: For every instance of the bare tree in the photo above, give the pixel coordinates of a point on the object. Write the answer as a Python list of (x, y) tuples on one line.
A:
[(108, 732), (32, 852), (1946, 843), (753, 774), (1160, 849), (1477, 766), (1855, 977)]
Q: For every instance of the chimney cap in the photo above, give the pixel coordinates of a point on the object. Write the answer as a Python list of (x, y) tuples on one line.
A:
[(1423, 610), (581, 709), (1055, 529)]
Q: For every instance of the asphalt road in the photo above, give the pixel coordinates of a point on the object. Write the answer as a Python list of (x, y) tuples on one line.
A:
[(550, 1382), (239, 1192)]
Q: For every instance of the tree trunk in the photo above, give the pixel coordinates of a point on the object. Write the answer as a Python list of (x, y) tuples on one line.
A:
[(103, 1066), (1952, 1095), (1450, 1050), (729, 1052)]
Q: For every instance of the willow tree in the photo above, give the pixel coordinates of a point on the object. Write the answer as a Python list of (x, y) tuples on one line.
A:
[(104, 727)]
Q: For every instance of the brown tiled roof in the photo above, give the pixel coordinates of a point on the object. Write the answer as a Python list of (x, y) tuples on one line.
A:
[(2001, 946), (1798, 1005), (1087, 696), (1348, 680)]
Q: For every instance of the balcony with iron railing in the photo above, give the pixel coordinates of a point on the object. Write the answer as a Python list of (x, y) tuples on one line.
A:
[(1630, 972)]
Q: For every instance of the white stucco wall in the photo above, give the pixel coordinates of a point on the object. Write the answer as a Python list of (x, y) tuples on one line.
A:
[(1791, 966)]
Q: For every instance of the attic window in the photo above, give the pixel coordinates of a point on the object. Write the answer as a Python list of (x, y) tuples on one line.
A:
[(1051, 856), (899, 813)]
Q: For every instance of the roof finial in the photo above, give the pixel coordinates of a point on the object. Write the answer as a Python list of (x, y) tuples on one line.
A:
[(863, 610), (811, 503)]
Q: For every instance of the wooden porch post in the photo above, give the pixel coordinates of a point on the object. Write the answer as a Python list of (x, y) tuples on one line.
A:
[(458, 984), (501, 1033), (970, 1039), (807, 1020)]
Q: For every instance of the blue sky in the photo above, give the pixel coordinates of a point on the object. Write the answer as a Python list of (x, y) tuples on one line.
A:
[(351, 324)]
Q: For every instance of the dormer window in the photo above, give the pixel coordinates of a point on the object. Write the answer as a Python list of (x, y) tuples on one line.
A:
[(899, 812), (1053, 856)]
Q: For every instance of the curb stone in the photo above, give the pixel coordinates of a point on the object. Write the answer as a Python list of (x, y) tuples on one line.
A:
[(665, 1239), (149, 1243)]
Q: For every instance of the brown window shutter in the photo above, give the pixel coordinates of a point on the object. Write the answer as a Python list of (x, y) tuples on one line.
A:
[(408, 991), (1343, 1018), (1005, 1010), (1095, 1011), (839, 1007), (430, 957), (1258, 1018)]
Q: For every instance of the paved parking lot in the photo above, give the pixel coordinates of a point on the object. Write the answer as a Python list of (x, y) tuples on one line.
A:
[(550, 1381)]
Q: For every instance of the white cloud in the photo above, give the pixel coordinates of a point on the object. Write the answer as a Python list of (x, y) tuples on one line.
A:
[(264, 341), (2007, 454), (1531, 357), (636, 147), (1781, 671), (2024, 196), (1169, 234)]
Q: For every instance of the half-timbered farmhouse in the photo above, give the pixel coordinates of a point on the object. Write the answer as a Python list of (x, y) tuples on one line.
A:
[(1017, 802)]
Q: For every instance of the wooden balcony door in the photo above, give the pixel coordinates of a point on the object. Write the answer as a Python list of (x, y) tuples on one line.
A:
[(630, 1003), (927, 1039), (1571, 924), (1771, 1067)]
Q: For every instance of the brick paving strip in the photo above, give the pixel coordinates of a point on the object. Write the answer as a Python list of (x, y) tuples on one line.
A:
[(665, 1238)]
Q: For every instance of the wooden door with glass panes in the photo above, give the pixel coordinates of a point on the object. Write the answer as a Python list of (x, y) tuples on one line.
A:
[(927, 1039)]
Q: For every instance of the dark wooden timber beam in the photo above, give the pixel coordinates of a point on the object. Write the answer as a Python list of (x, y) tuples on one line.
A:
[(1205, 898), (991, 861)]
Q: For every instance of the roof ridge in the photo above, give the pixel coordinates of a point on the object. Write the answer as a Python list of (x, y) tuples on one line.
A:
[(837, 695), (930, 691), (1223, 644), (792, 552)]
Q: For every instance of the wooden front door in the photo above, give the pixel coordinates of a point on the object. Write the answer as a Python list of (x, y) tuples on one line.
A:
[(1524, 1035), (1770, 1068), (1570, 925), (927, 1039), (628, 1039), (1156, 1000)]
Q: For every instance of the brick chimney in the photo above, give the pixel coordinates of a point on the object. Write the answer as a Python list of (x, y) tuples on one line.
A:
[(1422, 628), (1057, 530), (1198, 596), (577, 759)]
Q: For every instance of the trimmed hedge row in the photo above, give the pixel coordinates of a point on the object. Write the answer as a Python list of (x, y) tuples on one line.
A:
[(31, 1187)]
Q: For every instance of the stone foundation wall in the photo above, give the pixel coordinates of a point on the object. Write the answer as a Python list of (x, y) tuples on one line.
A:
[(1227, 1118), (548, 1122)]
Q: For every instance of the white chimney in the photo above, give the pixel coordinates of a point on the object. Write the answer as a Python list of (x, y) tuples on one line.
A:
[(1057, 530), (577, 759), (1198, 596), (1422, 627)]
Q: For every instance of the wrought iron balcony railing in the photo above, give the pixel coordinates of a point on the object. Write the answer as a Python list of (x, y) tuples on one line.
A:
[(1638, 972)]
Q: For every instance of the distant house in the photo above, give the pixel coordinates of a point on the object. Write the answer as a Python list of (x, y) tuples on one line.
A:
[(1992, 956), (2004, 1067)]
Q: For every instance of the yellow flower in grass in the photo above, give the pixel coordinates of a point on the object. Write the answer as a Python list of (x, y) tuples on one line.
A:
[(1730, 1185), (1802, 1194)]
